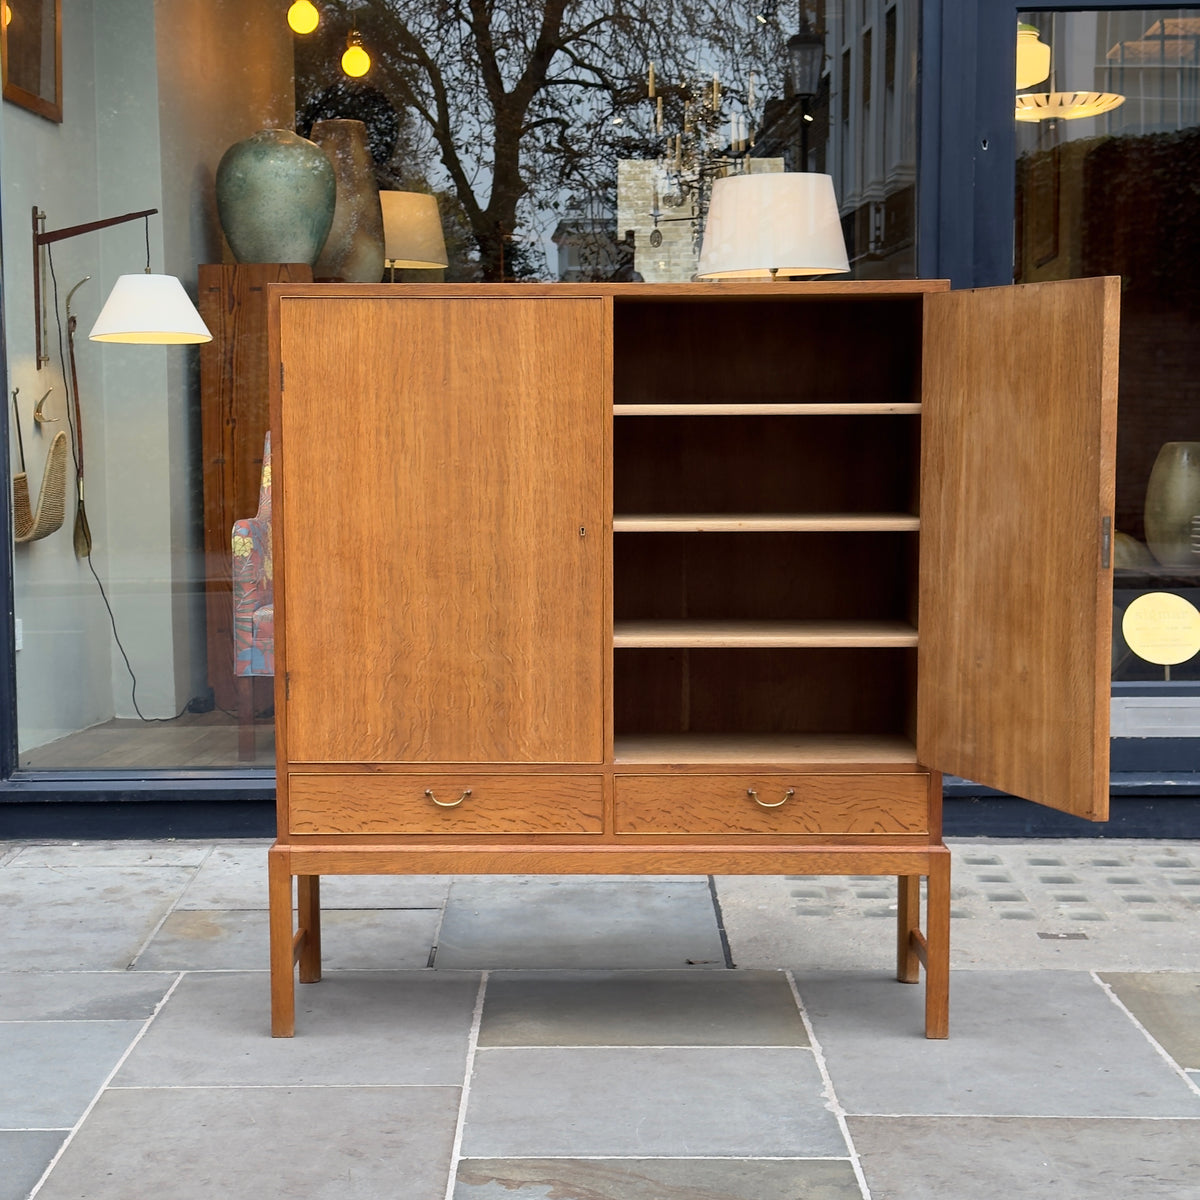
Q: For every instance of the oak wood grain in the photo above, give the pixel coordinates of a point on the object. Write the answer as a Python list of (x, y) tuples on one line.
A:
[(411, 804), (696, 857), (765, 523), (748, 408), (1015, 606), (709, 633), (726, 804), (876, 752), (446, 528)]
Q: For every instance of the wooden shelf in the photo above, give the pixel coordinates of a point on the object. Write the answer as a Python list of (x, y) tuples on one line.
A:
[(751, 634), (766, 523), (873, 750), (849, 408)]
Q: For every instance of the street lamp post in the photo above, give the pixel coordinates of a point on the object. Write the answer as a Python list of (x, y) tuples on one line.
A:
[(805, 60)]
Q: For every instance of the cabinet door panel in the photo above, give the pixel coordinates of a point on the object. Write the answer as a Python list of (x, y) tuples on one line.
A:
[(1018, 452), (444, 491)]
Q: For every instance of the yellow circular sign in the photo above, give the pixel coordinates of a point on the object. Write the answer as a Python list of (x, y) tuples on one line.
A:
[(1162, 628)]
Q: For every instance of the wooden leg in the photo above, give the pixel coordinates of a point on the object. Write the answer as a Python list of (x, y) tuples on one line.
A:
[(937, 936), (283, 958), (908, 921), (308, 895)]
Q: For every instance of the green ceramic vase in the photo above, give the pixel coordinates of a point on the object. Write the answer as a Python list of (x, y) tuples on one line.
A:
[(276, 193)]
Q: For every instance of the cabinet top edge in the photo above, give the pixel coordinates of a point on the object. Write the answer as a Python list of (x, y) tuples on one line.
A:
[(623, 292)]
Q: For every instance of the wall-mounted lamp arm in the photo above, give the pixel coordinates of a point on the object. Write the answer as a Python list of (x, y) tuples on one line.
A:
[(42, 237)]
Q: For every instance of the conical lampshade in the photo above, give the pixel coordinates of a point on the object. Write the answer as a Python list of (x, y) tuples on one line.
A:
[(149, 310), (782, 223)]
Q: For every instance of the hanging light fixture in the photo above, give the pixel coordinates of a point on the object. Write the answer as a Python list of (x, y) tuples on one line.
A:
[(1033, 57), (1033, 65), (303, 16), (146, 309), (149, 310), (1066, 106), (356, 62)]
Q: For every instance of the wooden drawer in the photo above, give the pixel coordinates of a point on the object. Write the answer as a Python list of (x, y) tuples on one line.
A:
[(818, 804), (465, 803)]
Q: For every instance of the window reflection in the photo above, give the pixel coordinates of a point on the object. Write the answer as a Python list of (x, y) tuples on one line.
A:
[(580, 141), (550, 155), (1113, 194)]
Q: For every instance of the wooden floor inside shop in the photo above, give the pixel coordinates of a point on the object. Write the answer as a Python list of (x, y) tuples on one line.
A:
[(191, 740)]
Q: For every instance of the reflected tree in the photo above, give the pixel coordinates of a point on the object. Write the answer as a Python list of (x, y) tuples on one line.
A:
[(510, 105)]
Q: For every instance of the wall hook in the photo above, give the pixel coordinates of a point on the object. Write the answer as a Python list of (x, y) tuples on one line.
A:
[(39, 416)]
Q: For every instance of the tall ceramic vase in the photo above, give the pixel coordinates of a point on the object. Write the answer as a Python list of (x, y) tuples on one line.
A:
[(1172, 500), (354, 249), (275, 198)]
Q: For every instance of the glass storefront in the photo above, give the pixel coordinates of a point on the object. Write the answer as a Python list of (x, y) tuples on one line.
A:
[(143, 641), (1107, 138)]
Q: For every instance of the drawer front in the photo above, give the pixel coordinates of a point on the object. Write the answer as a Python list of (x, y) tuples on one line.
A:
[(818, 804), (445, 804)]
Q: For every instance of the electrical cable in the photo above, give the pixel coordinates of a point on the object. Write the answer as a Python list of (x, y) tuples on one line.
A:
[(62, 362)]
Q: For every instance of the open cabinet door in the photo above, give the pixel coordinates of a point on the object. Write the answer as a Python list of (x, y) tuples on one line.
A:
[(1018, 455)]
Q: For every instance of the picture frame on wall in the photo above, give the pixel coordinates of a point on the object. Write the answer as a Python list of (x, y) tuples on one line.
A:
[(31, 55)]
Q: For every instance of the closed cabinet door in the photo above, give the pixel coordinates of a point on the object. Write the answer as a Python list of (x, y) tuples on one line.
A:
[(443, 491)]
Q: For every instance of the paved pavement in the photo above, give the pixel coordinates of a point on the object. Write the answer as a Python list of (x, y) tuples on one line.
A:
[(587, 1039)]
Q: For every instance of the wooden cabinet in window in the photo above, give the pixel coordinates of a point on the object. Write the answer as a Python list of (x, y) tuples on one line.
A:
[(683, 579)]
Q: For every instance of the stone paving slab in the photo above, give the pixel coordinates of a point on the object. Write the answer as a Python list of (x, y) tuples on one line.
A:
[(61, 919), (1039, 1043), (640, 1008), (52, 1069), (90, 855), (1012, 1158), (235, 877), (354, 1143), (1063, 904), (1167, 1003), (655, 1179), (562, 922), (378, 939), (372, 1028), (746, 1102), (81, 996), (24, 1155)]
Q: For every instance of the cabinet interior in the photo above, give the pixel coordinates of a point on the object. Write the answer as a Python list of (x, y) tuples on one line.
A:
[(765, 559)]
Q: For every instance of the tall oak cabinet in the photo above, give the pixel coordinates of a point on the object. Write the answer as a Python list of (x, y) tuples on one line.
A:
[(713, 578)]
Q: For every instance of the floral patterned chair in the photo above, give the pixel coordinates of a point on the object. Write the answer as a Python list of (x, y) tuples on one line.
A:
[(253, 605)]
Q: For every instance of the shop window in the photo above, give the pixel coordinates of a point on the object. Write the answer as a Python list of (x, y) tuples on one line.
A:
[(591, 162)]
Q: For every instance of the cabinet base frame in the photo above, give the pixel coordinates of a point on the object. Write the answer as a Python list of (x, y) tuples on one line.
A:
[(295, 919)]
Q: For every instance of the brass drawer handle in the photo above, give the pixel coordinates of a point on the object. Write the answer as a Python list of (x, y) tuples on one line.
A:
[(762, 803), (447, 803)]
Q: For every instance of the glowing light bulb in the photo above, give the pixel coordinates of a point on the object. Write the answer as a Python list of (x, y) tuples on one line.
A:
[(303, 16), (356, 61), (7, 15)]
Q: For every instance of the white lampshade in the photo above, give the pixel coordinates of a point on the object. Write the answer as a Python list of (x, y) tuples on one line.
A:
[(772, 224), (150, 310), (412, 230)]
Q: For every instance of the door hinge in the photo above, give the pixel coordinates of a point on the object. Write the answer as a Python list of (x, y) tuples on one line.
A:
[(1105, 542), (281, 377), (287, 685)]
